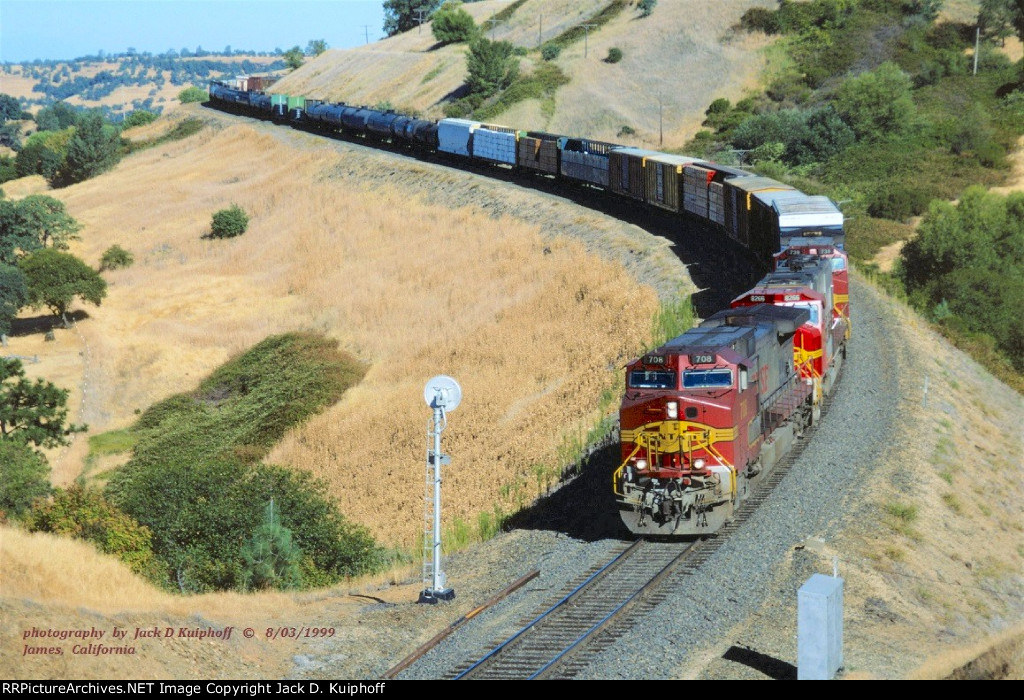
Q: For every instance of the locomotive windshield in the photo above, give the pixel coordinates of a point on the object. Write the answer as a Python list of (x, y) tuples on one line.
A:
[(811, 309), (706, 378), (652, 379)]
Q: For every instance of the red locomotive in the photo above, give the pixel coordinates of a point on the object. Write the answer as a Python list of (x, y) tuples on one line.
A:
[(709, 413)]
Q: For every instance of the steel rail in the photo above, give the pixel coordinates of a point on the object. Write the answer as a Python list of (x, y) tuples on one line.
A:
[(436, 639), (565, 599), (621, 608)]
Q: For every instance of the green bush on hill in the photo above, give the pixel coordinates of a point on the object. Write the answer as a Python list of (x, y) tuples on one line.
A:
[(451, 24), (228, 223), (969, 259), (24, 477), (85, 514), (116, 257), (196, 481), (192, 94)]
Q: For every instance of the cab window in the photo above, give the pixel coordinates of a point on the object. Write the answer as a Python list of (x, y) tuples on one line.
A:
[(707, 378), (652, 379)]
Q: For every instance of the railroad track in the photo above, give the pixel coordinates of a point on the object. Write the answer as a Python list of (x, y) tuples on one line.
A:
[(557, 642)]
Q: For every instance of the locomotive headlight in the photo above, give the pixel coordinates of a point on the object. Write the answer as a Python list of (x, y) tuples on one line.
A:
[(641, 464), (672, 408), (698, 463)]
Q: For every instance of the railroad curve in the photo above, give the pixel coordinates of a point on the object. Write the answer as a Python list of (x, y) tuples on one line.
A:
[(817, 495)]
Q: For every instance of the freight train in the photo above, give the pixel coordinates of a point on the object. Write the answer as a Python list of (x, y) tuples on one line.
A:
[(707, 415)]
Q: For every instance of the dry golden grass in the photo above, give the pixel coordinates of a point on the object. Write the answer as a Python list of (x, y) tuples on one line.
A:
[(400, 69), (684, 39), (24, 186), (75, 587), (999, 658), (529, 326)]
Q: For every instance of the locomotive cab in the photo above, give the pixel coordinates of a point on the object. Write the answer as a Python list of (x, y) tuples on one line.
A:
[(695, 414), (823, 247)]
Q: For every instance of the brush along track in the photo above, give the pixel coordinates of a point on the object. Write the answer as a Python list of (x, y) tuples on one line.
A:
[(554, 644)]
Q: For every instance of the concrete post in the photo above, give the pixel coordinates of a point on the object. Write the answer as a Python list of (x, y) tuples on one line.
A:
[(819, 628)]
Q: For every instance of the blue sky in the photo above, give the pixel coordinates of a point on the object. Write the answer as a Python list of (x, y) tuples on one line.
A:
[(63, 29)]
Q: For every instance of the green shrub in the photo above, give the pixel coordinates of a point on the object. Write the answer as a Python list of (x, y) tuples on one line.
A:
[(541, 84), (451, 24), (192, 94), (138, 117), (271, 559), (550, 52), (878, 103), (898, 201), (865, 236), (228, 223), (760, 19), (614, 55), (85, 514), (115, 257), (24, 477), (197, 482)]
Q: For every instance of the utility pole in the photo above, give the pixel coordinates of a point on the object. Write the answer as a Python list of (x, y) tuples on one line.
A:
[(366, 32), (977, 42), (661, 123), (586, 37), (494, 23), (421, 15)]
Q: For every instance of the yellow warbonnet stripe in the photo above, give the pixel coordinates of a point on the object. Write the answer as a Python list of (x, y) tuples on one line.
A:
[(670, 436), (676, 436)]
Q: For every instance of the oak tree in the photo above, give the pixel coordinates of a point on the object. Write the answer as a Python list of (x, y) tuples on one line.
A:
[(32, 412), (55, 279)]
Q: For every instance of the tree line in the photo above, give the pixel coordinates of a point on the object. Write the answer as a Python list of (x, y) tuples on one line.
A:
[(60, 80), (895, 130)]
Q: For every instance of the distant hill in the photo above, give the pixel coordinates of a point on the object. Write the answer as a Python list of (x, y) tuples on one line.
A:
[(123, 83)]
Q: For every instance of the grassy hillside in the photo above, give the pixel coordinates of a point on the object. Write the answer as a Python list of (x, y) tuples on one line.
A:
[(529, 326), (682, 39)]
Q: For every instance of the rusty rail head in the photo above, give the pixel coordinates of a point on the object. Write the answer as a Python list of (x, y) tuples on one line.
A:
[(436, 639)]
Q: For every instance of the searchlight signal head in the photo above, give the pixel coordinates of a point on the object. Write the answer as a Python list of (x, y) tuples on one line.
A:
[(442, 392)]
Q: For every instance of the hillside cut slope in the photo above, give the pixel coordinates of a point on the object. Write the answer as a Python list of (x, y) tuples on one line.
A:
[(688, 40)]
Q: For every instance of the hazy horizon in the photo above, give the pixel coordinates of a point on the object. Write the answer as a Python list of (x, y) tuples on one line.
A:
[(68, 29)]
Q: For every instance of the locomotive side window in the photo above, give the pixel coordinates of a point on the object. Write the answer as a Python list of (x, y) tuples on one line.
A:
[(648, 379), (811, 308), (838, 263), (707, 378)]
